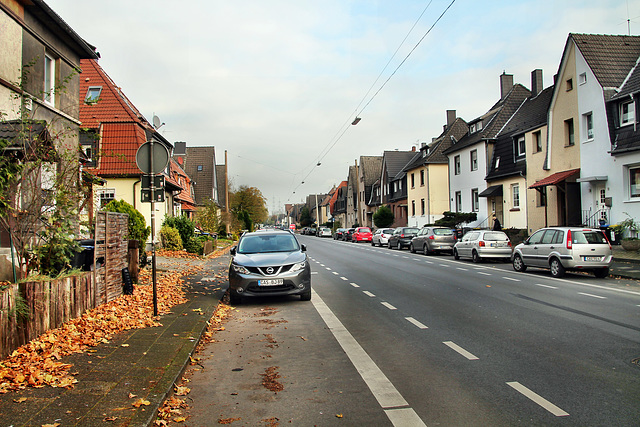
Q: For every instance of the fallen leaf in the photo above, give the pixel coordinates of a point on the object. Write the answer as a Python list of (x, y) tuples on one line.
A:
[(131, 395), (22, 399), (109, 418), (179, 419), (182, 391), (124, 345), (138, 403), (338, 415)]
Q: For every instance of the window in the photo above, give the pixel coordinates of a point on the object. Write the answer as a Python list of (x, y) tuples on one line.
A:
[(515, 196), (93, 94), (569, 134), (537, 142), (456, 165), (422, 207), (458, 201), (422, 178), (587, 120), (200, 168), (634, 182), (474, 160), (582, 78), (475, 200), (541, 197), (413, 180), (627, 113), (569, 85), (519, 148), (413, 208), (106, 195), (49, 79), (395, 186)]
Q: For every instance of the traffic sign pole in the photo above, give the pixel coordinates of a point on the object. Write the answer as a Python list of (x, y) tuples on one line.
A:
[(153, 233)]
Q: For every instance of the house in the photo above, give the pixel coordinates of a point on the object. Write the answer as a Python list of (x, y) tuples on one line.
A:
[(184, 201), (517, 144), (351, 211), (334, 203), (368, 172), (339, 211), (200, 164), (393, 183), (428, 175), (574, 178), (469, 157), (113, 130), (36, 41)]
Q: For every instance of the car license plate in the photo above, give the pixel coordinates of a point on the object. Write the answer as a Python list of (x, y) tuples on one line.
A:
[(593, 258), (270, 282), (498, 245)]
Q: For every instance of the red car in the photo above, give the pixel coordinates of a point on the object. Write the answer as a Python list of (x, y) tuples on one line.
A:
[(362, 234)]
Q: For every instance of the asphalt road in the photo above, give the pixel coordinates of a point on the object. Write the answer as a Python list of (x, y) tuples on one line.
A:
[(394, 338)]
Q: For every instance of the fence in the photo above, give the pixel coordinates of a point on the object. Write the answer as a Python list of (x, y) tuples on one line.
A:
[(29, 309)]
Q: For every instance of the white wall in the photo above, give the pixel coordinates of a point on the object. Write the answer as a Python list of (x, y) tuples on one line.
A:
[(468, 180)]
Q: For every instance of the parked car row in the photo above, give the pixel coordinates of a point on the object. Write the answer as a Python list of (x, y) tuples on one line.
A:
[(558, 249)]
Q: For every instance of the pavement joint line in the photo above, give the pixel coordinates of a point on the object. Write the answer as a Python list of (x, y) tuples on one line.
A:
[(538, 399), (460, 350), (592, 295)]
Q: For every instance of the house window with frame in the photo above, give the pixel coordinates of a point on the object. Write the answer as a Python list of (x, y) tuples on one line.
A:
[(49, 79), (569, 85), (634, 183), (422, 207), (200, 168), (475, 200), (537, 142), (456, 165), (413, 180), (106, 195), (541, 197), (413, 208), (587, 120), (93, 94), (582, 78), (474, 160), (422, 178), (627, 113), (569, 134), (515, 196), (458, 201), (519, 148)]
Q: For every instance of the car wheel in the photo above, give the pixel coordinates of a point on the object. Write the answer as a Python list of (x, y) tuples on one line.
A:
[(556, 267), (372, 244), (455, 254), (475, 257), (399, 246), (305, 296), (389, 245), (518, 264), (601, 273), (425, 250), (412, 249)]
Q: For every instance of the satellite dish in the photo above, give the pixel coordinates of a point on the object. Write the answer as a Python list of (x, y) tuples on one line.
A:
[(156, 122)]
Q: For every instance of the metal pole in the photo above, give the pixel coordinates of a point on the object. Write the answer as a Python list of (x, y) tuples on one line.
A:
[(153, 234)]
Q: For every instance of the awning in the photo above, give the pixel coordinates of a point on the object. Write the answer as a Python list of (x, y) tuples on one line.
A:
[(593, 179), (555, 178), (493, 191)]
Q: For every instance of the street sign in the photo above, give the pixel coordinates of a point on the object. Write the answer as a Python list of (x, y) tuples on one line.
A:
[(158, 195), (158, 181), (160, 157)]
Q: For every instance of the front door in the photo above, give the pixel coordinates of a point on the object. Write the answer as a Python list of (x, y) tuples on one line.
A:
[(600, 194)]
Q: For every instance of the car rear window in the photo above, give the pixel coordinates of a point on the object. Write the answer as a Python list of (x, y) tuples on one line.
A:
[(594, 237), (267, 243), (442, 231), (410, 230), (495, 237), (364, 230)]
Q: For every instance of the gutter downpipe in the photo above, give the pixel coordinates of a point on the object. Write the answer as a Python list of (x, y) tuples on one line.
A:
[(134, 193)]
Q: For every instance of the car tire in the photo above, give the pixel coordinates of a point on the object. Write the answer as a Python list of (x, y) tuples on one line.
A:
[(412, 249), (455, 254), (475, 257), (556, 267), (425, 250), (305, 296), (601, 273), (518, 264), (399, 246)]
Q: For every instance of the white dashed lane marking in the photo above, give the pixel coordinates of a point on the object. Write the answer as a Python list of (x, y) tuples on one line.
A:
[(389, 306), (460, 350), (416, 323), (354, 285), (343, 278), (368, 294), (546, 286), (591, 295), (538, 399)]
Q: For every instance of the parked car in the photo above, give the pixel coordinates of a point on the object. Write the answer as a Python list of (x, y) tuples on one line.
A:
[(381, 236), (481, 244), (433, 239), (324, 232), (338, 234), (361, 234), (269, 263), (401, 237), (565, 248), (346, 236)]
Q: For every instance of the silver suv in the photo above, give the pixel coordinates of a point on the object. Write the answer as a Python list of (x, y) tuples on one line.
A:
[(565, 248)]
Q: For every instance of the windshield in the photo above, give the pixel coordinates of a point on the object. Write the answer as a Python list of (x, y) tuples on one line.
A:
[(495, 236), (442, 231), (268, 243)]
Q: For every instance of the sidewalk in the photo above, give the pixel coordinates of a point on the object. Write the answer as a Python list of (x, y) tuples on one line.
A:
[(109, 373), (625, 263)]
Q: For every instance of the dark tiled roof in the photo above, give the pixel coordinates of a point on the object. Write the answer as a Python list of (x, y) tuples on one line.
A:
[(435, 150), (395, 161), (632, 83), (205, 180), (609, 57), (371, 168)]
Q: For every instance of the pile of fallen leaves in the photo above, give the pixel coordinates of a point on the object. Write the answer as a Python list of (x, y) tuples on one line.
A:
[(38, 364)]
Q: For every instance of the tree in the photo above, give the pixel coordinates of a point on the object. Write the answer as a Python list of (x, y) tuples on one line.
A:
[(249, 206), (383, 217), (455, 219), (209, 218), (305, 217)]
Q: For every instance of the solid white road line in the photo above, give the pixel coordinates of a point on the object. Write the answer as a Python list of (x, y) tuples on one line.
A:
[(460, 350), (546, 286), (395, 406), (389, 306), (354, 285), (368, 294), (591, 295), (538, 399), (415, 322)]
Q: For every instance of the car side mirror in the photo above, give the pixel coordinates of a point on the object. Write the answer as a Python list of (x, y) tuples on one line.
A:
[(526, 242), (233, 250), (303, 248)]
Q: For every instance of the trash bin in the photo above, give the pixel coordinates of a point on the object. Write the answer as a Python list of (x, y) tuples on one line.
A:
[(84, 259), (611, 235)]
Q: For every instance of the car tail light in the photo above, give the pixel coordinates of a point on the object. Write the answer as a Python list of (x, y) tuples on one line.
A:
[(481, 243), (509, 244), (569, 241), (402, 235), (431, 237)]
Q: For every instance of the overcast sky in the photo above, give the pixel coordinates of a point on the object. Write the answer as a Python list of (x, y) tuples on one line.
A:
[(277, 83)]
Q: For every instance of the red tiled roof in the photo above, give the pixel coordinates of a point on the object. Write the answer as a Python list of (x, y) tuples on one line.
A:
[(118, 147), (555, 178), (182, 180)]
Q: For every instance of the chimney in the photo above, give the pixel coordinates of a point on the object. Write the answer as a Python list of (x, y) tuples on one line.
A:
[(451, 117), (536, 82), (506, 84)]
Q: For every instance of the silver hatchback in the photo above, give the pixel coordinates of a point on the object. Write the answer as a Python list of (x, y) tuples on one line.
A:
[(565, 248), (433, 239), (480, 244)]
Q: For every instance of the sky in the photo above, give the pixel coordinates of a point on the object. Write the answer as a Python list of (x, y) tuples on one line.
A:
[(277, 83)]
